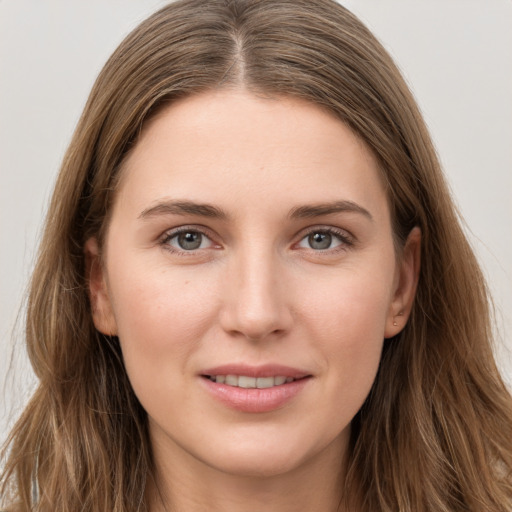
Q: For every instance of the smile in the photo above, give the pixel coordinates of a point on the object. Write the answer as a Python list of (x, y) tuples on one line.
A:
[(247, 382), (255, 389)]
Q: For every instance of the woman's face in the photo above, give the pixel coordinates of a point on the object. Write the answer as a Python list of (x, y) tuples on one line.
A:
[(250, 245)]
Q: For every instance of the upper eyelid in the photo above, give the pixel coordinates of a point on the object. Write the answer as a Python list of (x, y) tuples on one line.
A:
[(327, 229), (169, 233), (343, 233)]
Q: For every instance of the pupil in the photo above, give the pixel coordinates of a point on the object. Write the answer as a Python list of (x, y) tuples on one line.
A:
[(189, 241), (320, 240)]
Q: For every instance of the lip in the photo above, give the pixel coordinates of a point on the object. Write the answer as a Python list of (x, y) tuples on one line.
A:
[(254, 400)]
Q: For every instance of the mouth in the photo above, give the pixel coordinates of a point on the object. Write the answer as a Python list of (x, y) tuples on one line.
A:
[(255, 389), (248, 382)]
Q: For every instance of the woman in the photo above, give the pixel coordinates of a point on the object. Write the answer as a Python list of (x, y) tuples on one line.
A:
[(253, 291)]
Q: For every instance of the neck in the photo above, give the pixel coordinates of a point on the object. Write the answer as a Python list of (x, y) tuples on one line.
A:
[(185, 484)]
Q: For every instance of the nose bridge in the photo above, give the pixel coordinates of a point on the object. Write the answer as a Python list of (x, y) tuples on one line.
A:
[(256, 304)]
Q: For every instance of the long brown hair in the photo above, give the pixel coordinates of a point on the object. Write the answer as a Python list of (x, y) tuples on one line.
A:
[(434, 434)]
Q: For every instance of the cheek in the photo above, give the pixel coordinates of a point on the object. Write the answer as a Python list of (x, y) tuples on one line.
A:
[(161, 317), (349, 323), (352, 305)]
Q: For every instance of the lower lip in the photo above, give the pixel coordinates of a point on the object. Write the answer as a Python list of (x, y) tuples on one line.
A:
[(255, 400)]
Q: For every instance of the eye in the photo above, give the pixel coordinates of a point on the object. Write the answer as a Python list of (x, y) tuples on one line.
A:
[(324, 239), (187, 240)]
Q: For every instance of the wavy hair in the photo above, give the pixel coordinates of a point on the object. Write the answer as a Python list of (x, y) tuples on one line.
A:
[(435, 432)]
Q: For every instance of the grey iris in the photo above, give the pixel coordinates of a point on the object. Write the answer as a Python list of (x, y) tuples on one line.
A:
[(190, 240), (320, 240)]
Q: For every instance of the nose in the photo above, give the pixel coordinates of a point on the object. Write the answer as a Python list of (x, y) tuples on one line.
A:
[(256, 303)]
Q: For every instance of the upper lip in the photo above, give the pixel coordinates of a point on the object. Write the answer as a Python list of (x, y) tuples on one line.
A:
[(266, 370)]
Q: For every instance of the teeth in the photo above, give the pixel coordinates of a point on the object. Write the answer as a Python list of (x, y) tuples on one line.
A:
[(266, 382), (231, 380), (244, 381)]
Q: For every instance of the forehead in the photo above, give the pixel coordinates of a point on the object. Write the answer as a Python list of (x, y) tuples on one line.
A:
[(223, 144)]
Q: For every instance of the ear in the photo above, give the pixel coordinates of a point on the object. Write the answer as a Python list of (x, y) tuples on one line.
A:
[(406, 281), (102, 313)]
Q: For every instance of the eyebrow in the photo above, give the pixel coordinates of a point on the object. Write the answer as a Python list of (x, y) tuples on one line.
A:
[(184, 208), (320, 209), (214, 212)]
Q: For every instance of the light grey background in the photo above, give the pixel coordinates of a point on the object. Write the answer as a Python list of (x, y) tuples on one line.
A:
[(456, 56)]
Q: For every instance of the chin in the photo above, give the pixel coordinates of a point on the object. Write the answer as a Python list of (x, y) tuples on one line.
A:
[(254, 465), (271, 456)]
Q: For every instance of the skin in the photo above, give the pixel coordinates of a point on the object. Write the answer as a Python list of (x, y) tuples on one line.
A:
[(256, 291)]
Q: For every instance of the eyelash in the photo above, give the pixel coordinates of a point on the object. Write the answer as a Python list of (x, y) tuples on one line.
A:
[(169, 235), (346, 239)]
